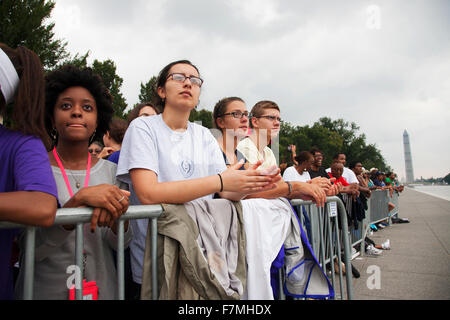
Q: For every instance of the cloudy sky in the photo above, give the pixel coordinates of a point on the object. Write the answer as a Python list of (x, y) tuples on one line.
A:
[(384, 65)]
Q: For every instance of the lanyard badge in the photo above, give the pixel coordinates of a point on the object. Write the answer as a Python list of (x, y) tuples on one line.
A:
[(90, 289), (63, 171)]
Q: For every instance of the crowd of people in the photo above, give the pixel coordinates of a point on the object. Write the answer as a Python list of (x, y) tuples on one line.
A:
[(66, 151), (356, 182)]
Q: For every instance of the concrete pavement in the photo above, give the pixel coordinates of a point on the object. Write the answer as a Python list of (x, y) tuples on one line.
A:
[(418, 264)]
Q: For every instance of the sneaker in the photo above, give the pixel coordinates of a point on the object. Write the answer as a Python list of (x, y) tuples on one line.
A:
[(380, 226), (386, 245), (372, 251), (384, 224), (373, 227)]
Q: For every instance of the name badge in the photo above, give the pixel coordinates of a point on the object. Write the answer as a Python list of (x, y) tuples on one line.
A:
[(90, 291), (333, 209)]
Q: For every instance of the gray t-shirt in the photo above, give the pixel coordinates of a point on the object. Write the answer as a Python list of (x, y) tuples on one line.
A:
[(150, 144), (55, 246)]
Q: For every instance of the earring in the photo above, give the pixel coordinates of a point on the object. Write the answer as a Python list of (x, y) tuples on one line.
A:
[(54, 134)]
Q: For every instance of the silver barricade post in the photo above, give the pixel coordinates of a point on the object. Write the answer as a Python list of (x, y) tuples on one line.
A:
[(120, 259), (29, 262), (154, 248), (79, 261)]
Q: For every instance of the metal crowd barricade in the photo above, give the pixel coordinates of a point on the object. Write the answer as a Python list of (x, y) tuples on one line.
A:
[(379, 206), (328, 241), (79, 216), (377, 212)]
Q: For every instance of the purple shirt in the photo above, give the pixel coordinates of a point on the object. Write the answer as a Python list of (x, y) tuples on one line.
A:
[(114, 157), (24, 166)]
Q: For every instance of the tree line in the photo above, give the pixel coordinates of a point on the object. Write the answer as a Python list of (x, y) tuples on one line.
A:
[(25, 22)]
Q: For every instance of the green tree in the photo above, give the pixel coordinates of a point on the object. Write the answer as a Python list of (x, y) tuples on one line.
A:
[(107, 70), (447, 178), (354, 146), (204, 116), (77, 60), (331, 136), (24, 22), (148, 90)]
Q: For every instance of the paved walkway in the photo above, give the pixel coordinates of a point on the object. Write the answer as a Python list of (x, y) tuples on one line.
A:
[(418, 264)]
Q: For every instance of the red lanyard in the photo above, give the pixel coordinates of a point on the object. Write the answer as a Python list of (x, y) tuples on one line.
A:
[(88, 171)]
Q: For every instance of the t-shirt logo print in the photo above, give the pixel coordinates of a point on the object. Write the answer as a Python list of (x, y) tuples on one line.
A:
[(187, 168)]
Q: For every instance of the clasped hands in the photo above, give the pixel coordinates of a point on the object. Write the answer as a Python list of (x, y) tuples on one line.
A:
[(109, 203)]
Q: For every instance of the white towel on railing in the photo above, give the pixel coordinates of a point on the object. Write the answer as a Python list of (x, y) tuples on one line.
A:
[(266, 223)]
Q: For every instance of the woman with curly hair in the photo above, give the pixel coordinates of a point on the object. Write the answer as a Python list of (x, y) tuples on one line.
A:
[(27, 187), (79, 109)]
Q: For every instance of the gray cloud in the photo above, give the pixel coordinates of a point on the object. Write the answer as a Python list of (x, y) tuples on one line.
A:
[(313, 59)]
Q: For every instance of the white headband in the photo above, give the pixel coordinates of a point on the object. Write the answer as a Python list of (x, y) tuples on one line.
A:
[(9, 80)]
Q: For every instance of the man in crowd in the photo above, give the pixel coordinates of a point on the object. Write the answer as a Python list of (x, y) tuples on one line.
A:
[(316, 168), (357, 168), (348, 174)]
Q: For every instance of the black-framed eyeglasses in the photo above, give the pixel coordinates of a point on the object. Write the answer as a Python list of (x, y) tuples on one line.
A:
[(273, 118), (181, 78), (237, 114)]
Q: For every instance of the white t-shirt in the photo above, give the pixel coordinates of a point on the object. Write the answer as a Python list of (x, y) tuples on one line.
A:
[(348, 175), (291, 174), (150, 144)]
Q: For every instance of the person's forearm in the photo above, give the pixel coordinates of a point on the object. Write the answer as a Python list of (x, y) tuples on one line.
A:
[(364, 189), (282, 190), (179, 192), (28, 207), (233, 196)]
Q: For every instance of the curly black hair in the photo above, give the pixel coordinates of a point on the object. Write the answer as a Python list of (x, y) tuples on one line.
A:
[(71, 76)]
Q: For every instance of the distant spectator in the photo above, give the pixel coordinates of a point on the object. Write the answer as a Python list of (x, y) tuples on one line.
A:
[(337, 168), (113, 140), (95, 148), (316, 169), (292, 149), (300, 172), (379, 180), (144, 109), (357, 168), (347, 173)]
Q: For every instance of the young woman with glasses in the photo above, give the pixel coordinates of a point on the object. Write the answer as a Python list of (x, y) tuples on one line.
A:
[(265, 216), (167, 159)]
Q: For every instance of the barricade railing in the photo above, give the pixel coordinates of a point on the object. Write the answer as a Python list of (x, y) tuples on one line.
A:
[(377, 211), (79, 216), (329, 238), (328, 235)]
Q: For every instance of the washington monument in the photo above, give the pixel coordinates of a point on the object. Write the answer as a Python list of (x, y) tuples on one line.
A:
[(408, 158)]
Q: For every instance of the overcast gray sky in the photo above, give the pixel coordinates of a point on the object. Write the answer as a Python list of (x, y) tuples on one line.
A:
[(382, 64)]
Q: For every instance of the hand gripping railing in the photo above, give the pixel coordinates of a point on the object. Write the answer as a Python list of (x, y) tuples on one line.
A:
[(79, 216), (322, 238)]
